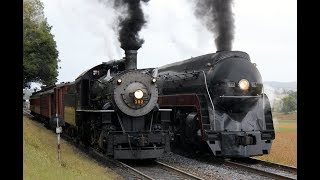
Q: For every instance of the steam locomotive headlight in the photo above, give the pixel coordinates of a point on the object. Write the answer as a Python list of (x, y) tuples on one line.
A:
[(119, 81), (138, 94), (244, 84), (154, 80)]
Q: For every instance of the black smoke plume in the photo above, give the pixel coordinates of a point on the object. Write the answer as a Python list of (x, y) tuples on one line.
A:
[(218, 18), (130, 23)]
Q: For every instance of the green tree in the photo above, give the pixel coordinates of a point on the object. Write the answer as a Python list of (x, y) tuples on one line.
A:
[(289, 102), (40, 55)]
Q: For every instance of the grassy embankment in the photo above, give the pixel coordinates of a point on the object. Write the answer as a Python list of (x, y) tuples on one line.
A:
[(40, 158), (284, 147)]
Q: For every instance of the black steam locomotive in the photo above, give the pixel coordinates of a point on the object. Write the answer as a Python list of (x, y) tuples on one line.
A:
[(111, 107), (218, 104)]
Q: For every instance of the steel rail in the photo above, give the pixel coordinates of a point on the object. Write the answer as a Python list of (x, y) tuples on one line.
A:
[(178, 170), (283, 167), (256, 171)]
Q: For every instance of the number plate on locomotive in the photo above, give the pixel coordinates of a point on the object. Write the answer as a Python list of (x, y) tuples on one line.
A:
[(138, 101)]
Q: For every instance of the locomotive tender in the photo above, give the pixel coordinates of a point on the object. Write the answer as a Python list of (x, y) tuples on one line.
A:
[(111, 107), (218, 104)]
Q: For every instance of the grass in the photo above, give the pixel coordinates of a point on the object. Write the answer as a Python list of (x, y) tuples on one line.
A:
[(284, 147), (285, 125), (40, 158), (289, 116)]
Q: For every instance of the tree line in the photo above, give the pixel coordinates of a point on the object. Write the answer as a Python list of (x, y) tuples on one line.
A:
[(286, 104), (40, 54)]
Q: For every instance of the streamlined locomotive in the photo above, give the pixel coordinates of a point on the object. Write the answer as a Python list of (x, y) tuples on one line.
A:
[(111, 107), (218, 104)]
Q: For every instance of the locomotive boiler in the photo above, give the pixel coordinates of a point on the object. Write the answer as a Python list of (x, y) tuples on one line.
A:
[(111, 107), (218, 104)]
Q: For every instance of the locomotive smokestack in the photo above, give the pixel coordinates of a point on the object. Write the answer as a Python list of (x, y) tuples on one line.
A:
[(131, 58)]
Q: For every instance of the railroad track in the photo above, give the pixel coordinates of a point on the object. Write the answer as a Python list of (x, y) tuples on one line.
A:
[(152, 170), (115, 165), (97, 156), (291, 169), (252, 165), (131, 171), (27, 112), (263, 168), (159, 170)]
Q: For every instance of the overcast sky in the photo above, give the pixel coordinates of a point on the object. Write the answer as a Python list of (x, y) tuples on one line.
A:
[(265, 29)]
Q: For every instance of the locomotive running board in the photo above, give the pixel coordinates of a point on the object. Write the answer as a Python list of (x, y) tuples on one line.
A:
[(168, 110), (240, 96), (89, 110)]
